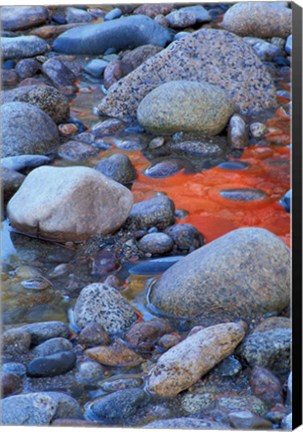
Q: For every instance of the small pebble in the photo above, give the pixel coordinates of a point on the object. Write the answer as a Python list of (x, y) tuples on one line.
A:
[(258, 130), (113, 14), (68, 129), (156, 243)]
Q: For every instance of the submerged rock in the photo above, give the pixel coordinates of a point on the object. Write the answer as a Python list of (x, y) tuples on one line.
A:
[(248, 420), (266, 386), (185, 106), (120, 34), (27, 130), (185, 363), (105, 305), (117, 355), (70, 203), (215, 56), (243, 273)]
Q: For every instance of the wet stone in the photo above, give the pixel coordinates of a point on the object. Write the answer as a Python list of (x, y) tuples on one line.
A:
[(77, 151), (16, 341), (95, 67), (52, 365), (113, 14), (37, 283), (157, 211), (143, 335), (117, 354), (120, 382), (68, 129), (22, 47), (9, 78), (23, 17), (10, 384), (60, 76), (107, 127), (164, 168), (118, 167), (93, 334), (156, 243), (198, 148), (24, 162), (129, 144), (266, 386), (248, 420), (27, 68), (104, 262), (243, 194), (11, 181), (168, 340), (14, 368), (229, 367), (237, 132), (233, 165), (241, 403), (257, 129), (43, 331), (77, 15), (185, 236), (52, 346), (89, 372)]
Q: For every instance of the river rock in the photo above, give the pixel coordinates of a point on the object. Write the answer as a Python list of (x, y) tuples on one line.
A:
[(103, 304), (185, 106), (47, 98), (11, 181), (266, 51), (118, 405), (76, 15), (16, 341), (248, 420), (93, 334), (118, 167), (77, 151), (14, 368), (185, 363), (215, 56), (89, 372), (10, 384), (27, 130), (288, 45), (229, 404), (185, 423), (269, 347), (155, 212), (259, 19), (156, 243), (117, 355), (27, 68), (143, 335), (120, 34), (42, 331), (22, 46), (60, 75), (287, 422), (69, 203), (24, 162), (52, 365), (9, 78), (67, 406), (152, 10), (113, 14), (185, 236), (96, 67), (23, 17), (221, 277), (237, 132), (266, 386), (52, 346), (180, 19)]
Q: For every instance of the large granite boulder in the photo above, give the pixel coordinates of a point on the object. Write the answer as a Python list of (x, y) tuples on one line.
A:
[(70, 203), (120, 34), (214, 56), (244, 273)]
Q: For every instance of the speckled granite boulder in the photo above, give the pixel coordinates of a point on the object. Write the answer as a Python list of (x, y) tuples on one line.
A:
[(22, 46), (259, 19), (185, 106), (269, 345), (47, 98), (69, 204), (103, 304), (185, 363), (244, 273), (23, 17), (123, 33), (214, 56)]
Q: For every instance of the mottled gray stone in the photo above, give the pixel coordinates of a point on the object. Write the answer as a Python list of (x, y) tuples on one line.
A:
[(248, 420), (122, 33), (16, 341), (185, 106), (27, 68), (158, 211), (103, 304), (23, 162), (237, 132), (60, 75), (23, 17), (96, 67), (185, 236), (22, 46), (43, 331), (52, 346), (243, 273), (76, 15), (266, 51), (260, 19), (215, 56), (156, 243), (118, 167), (27, 130)]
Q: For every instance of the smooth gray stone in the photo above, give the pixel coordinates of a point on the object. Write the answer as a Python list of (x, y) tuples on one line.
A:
[(22, 46), (18, 163), (120, 34)]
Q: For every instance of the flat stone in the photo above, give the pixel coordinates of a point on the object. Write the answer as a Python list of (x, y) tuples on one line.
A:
[(164, 168), (103, 304), (23, 46), (237, 132), (43, 331), (117, 355), (244, 194), (91, 204), (185, 363), (52, 365), (211, 278), (152, 10), (120, 34), (214, 56), (185, 423), (52, 31), (27, 130), (23, 17)]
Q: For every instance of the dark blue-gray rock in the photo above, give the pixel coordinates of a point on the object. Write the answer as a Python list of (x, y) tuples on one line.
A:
[(120, 34), (269, 346), (164, 167), (47, 98), (266, 51), (16, 341), (52, 365), (200, 13), (103, 304), (156, 243), (230, 366), (14, 368), (286, 201), (24, 162), (185, 423), (243, 273), (76, 15), (9, 78), (52, 346), (107, 127), (27, 130), (215, 56), (154, 266), (113, 14), (77, 151), (23, 17), (96, 67), (185, 106), (260, 19), (155, 212), (11, 181), (237, 136), (89, 372), (248, 420), (43, 331), (288, 45), (118, 405), (118, 167), (233, 165), (185, 236), (244, 194), (60, 76), (23, 46), (27, 68)]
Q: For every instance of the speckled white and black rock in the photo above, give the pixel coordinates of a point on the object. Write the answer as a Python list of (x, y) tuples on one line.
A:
[(103, 304)]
